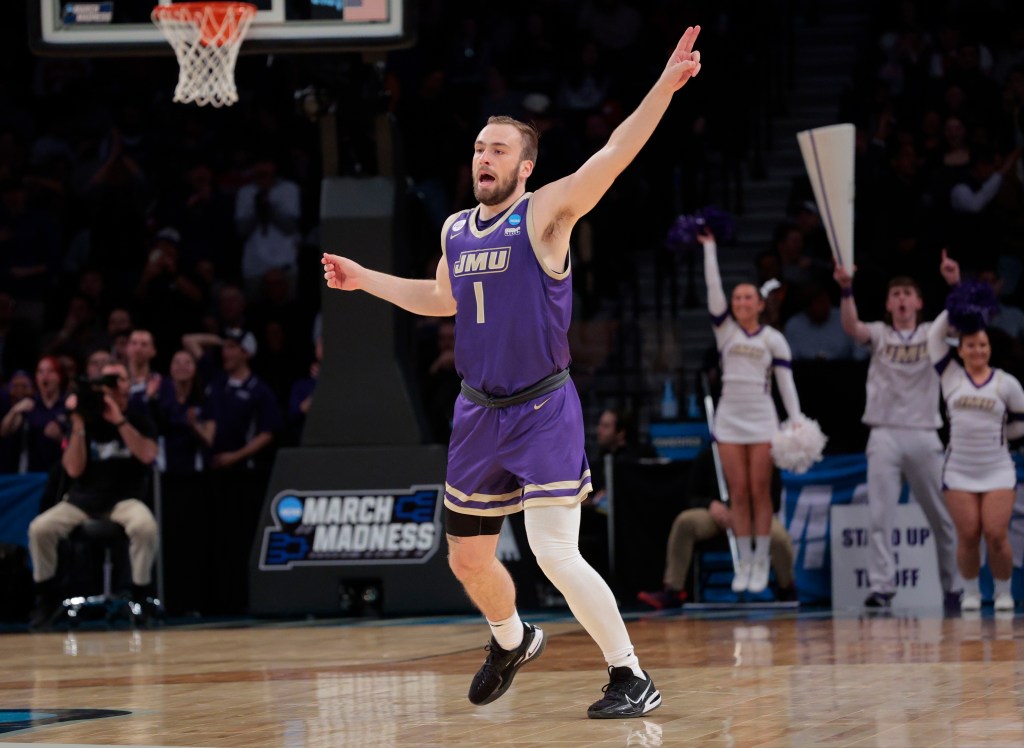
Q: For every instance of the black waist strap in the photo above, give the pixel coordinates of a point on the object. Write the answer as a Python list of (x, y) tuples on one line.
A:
[(543, 387)]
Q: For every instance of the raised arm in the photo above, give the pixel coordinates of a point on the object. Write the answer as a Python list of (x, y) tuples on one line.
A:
[(949, 269), (938, 349), (560, 204), (852, 325), (717, 303)]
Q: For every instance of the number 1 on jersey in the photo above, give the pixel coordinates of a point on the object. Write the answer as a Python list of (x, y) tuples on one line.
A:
[(478, 289)]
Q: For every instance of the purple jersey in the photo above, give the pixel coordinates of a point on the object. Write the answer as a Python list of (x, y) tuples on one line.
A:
[(511, 328)]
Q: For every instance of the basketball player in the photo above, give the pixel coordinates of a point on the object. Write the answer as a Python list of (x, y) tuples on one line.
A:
[(746, 420), (985, 408), (902, 411), (517, 438)]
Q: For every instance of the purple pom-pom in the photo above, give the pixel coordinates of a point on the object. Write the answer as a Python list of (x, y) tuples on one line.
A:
[(971, 305), (682, 236)]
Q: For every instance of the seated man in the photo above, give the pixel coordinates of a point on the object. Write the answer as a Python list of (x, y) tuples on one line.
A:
[(616, 435), (107, 457), (705, 518)]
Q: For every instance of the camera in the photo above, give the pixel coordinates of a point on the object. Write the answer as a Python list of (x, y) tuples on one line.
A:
[(90, 396)]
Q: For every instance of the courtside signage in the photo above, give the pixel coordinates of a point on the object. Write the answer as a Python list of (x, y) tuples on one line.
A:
[(343, 528)]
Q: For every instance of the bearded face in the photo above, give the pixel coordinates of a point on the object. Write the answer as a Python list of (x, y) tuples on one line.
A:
[(489, 188), (498, 164)]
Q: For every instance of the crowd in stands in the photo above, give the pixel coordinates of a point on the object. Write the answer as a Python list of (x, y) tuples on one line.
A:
[(938, 102)]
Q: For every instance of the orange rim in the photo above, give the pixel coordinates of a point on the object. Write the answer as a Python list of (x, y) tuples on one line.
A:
[(217, 21)]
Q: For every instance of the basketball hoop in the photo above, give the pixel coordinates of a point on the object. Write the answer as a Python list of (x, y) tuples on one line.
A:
[(205, 37)]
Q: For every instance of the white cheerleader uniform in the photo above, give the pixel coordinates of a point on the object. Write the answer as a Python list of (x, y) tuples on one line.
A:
[(982, 416), (746, 411), (902, 410)]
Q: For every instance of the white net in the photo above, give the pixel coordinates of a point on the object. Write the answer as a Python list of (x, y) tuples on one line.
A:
[(205, 38)]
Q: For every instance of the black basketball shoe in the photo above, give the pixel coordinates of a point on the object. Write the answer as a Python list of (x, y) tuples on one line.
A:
[(879, 600), (496, 674), (625, 696)]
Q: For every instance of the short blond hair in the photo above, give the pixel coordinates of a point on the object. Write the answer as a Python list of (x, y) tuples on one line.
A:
[(527, 132)]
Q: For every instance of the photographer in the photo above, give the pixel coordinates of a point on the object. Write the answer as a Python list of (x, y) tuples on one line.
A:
[(267, 213), (107, 457)]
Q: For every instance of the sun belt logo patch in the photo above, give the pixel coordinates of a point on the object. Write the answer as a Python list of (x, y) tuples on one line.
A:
[(481, 261)]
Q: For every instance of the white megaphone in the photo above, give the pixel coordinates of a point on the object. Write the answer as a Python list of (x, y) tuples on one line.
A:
[(828, 156)]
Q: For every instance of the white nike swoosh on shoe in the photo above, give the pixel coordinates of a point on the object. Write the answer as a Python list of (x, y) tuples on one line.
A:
[(541, 405), (538, 636), (634, 703)]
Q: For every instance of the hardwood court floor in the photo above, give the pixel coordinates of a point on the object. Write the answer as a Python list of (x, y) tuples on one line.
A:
[(727, 678)]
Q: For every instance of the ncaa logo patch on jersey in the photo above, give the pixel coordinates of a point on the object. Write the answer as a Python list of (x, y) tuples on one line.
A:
[(481, 261), (515, 219)]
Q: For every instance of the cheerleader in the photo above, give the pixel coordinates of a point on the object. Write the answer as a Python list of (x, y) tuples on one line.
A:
[(746, 420), (902, 409), (985, 408)]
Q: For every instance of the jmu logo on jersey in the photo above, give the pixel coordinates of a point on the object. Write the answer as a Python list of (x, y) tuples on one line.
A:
[(975, 402), (480, 261), (750, 351), (906, 353)]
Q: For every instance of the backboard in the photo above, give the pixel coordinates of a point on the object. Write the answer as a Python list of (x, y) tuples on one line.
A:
[(123, 27)]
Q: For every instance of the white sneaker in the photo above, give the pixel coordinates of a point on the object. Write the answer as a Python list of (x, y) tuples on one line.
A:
[(1004, 601), (758, 576), (970, 602), (741, 580)]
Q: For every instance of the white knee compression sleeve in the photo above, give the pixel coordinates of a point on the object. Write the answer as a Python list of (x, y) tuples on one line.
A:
[(553, 533)]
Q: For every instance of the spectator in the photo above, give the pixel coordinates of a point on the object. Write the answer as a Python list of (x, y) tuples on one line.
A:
[(40, 420), (164, 286), (29, 251), (186, 434), (106, 459), (95, 362), (1009, 319), (267, 212), (441, 383), (300, 399), (816, 333), (616, 436), (246, 419), (118, 197), (18, 388), (795, 270), (139, 354), (203, 213), (79, 332), (705, 518), (976, 224), (231, 310), (119, 328)]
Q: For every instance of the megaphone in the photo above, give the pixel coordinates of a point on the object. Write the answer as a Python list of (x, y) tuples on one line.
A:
[(828, 157)]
